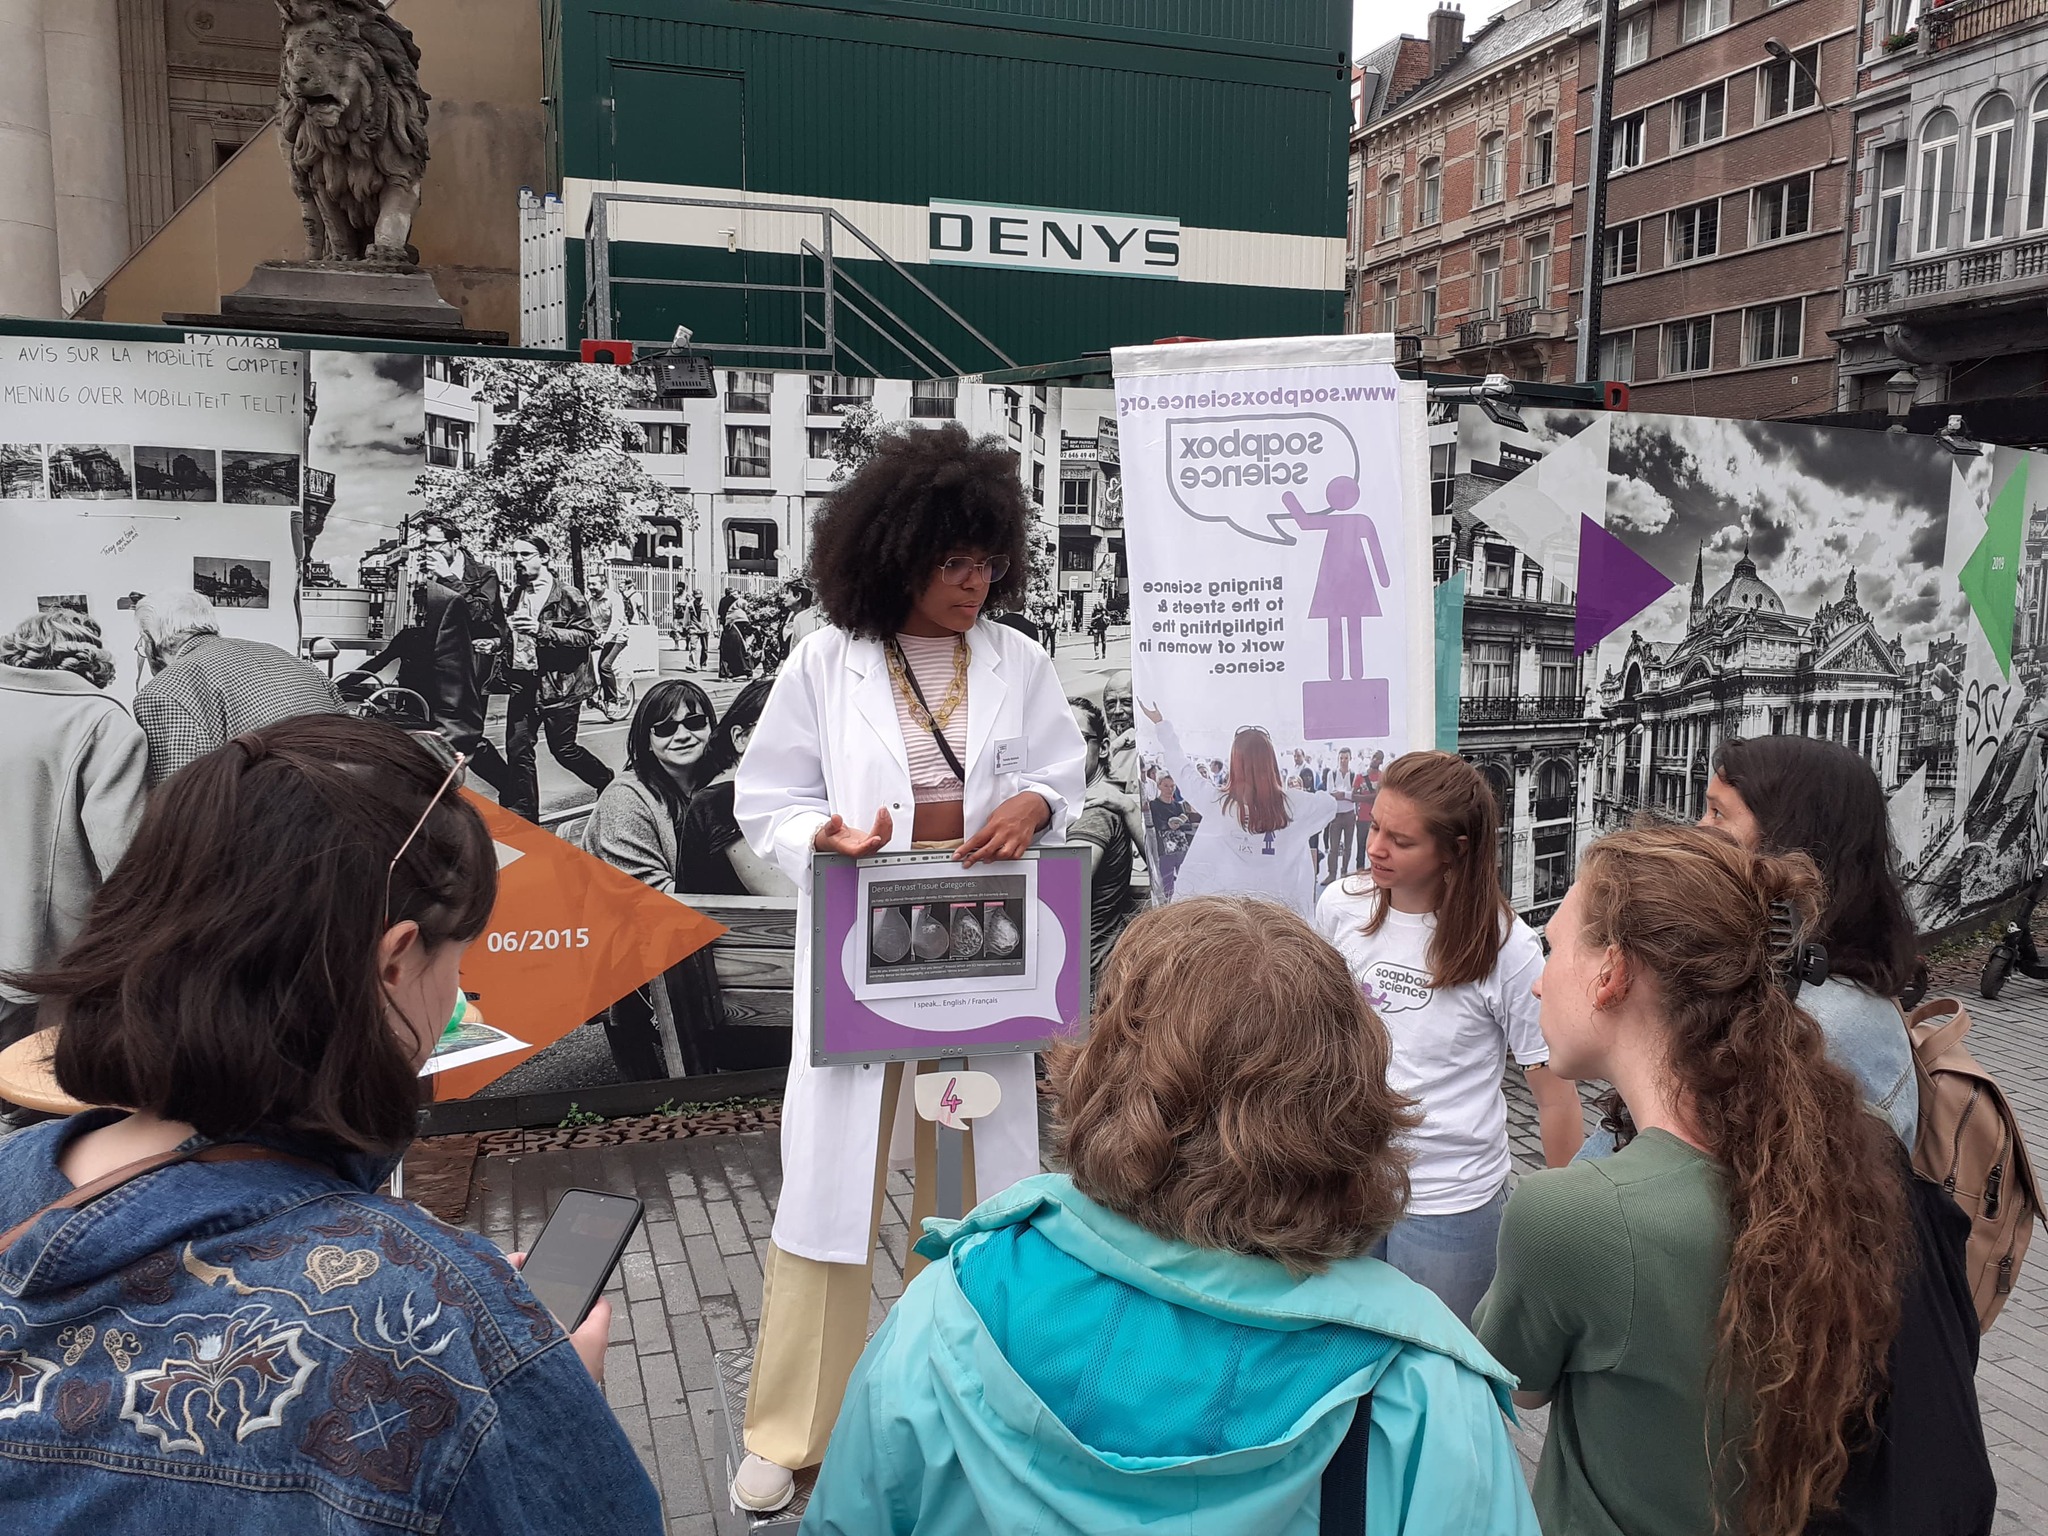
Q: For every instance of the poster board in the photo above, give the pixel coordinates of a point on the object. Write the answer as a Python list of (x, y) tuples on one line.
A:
[(143, 467), (914, 958), (1278, 529)]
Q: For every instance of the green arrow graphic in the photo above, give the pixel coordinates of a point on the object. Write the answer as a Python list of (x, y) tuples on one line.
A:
[(1991, 576)]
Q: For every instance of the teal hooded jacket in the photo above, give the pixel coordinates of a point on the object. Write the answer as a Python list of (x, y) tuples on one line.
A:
[(1060, 1369)]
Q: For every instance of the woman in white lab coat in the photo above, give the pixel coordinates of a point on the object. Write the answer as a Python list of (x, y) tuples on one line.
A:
[(912, 720)]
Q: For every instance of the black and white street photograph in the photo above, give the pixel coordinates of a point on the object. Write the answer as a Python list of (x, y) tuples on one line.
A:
[(176, 474), (231, 583), (21, 472), (259, 479), (91, 472)]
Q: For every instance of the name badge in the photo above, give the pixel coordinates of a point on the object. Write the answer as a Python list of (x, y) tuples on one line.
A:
[(1010, 755)]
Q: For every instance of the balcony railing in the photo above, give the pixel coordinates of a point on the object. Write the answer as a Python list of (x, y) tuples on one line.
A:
[(930, 406), (1518, 322), (1407, 349), (1473, 333), (744, 468), (1519, 710), (1943, 27), (747, 401), (1956, 274), (449, 458), (1555, 807)]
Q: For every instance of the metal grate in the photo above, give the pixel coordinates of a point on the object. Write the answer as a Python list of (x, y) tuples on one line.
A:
[(735, 1369)]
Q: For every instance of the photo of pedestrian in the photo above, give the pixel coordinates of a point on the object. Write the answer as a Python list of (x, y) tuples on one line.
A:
[(1174, 822), (549, 675), (1111, 826)]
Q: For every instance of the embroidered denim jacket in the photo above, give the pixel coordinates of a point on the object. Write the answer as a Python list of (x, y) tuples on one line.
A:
[(266, 1347)]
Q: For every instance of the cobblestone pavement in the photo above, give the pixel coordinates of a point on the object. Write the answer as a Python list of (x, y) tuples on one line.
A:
[(690, 1284)]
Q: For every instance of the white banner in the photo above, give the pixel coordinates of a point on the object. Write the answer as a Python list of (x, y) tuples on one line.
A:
[(1276, 499), (141, 468)]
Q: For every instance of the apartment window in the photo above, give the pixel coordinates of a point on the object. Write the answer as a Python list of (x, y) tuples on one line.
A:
[(1038, 428), (1427, 279), (666, 436), (745, 391), (746, 453), (1787, 84), (1038, 482), (1077, 500), (1696, 232), (831, 393), (1622, 249), (1700, 117), (1990, 167), (1013, 419), (1553, 865), (1632, 42), (1891, 205), (1689, 345), (1541, 167), (1618, 358), (448, 442), (1390, 207), (1782, 209), (750, 545), (823, 442), (1537, 249), (449, 370), (1774, 331), (1493, 165), (1390, 305), (1696, 18), (2037, 159), (1430, 201), (934, 397), (1489, 284), (1490, 664), (1934, 228), (1560, 672), (1625, 143), (1902, 15)]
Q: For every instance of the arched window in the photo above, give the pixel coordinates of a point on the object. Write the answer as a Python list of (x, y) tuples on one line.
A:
[(1934, 228), (1390, 207), (1493, 166), (1541, 166), (1556, 790), (2037, 159), (1990, 167), (1429, 205)]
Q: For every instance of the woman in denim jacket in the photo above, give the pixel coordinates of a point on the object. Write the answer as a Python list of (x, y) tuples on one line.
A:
[(251, 1339)]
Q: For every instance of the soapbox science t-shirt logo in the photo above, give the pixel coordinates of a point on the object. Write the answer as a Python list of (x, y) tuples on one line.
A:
[(1392, 988)]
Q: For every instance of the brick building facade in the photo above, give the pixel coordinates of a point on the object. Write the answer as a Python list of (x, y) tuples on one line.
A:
[(1464, 209), (1723, 248)]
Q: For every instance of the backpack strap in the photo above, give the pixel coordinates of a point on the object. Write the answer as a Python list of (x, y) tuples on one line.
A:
[(1938, 1041), (85, 1194), (1343, 1507)]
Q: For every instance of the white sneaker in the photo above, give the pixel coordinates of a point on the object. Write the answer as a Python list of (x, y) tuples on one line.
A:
[(762, 1486)]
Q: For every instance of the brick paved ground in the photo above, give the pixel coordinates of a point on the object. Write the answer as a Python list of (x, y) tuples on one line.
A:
[(690, 1284)]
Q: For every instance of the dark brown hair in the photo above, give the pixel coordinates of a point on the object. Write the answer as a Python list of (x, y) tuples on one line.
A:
[(1821, 799), (1255, 794), (227, 974), (1456, 802), (924, 495), (1233, 1090), (1817, 1214)]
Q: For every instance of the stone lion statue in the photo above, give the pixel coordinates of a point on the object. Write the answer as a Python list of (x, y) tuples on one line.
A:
[(354, 123)]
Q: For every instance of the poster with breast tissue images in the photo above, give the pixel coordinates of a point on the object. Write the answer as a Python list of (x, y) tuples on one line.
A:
[(1282, 645), (138, 468)]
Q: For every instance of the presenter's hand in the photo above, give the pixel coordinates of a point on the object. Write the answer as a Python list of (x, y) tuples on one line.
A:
[(1008, 830), (590, 1339), (1150, 713), (837, 837)]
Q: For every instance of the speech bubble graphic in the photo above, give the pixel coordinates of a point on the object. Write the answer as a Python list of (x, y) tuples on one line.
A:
[(1256, 471)]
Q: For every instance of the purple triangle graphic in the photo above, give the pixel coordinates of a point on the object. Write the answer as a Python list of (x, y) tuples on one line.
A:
[(1615, 584)]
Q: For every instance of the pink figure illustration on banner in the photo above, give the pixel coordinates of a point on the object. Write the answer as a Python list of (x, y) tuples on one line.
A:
[(1347, 593)]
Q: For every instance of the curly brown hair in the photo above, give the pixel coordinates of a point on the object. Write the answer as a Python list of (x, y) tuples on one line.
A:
[(927, 494), (1233, 1090), (1817, 1216)]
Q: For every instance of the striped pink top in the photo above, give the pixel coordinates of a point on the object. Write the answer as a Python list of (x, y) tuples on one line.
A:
[(931, 663)]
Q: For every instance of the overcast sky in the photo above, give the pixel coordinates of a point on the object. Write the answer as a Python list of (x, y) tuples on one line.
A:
[(1376, 21)]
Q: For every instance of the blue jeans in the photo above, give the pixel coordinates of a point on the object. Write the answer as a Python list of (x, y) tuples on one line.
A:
[(1453, 1255)]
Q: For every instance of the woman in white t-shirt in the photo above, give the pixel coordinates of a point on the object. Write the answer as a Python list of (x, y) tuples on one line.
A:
[(1448, 967), (1255, 830)]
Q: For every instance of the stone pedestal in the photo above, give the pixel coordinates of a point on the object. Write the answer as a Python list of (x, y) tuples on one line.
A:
[(342, 299)]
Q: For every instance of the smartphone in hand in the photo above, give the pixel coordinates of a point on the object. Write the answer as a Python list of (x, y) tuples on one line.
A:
[(577, 1250)]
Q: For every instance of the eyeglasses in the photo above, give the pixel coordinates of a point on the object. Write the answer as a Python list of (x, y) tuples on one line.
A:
[(455, 774), (956, 570), (693, 721)]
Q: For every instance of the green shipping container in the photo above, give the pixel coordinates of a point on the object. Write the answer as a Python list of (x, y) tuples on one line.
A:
[(1014, 181)]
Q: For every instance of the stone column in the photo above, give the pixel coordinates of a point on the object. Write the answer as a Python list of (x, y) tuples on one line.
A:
[(82, 43), (28, 192), (146, 115)]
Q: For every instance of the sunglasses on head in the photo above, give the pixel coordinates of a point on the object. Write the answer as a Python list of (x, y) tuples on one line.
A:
[(457, 775), (695, 720), (955, 571)]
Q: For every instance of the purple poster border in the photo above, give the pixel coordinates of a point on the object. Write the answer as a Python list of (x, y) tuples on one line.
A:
[(846, 1030)]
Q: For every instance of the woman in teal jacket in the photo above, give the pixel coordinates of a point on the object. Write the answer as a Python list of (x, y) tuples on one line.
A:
[(1178, 1333)]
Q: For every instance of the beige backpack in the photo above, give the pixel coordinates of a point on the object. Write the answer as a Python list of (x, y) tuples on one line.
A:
[(1970, 1144)]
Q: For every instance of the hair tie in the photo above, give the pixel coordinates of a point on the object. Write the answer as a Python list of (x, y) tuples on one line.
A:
[(254, 749)]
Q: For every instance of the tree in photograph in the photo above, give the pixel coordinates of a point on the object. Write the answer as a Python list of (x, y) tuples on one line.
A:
[(558, 460), (861, 430)]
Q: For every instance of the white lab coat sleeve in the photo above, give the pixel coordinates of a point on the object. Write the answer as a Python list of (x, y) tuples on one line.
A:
[(1055, 757), (779, 796)]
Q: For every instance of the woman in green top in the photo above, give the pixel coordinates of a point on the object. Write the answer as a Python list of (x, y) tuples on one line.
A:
[(1710, 1308)]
